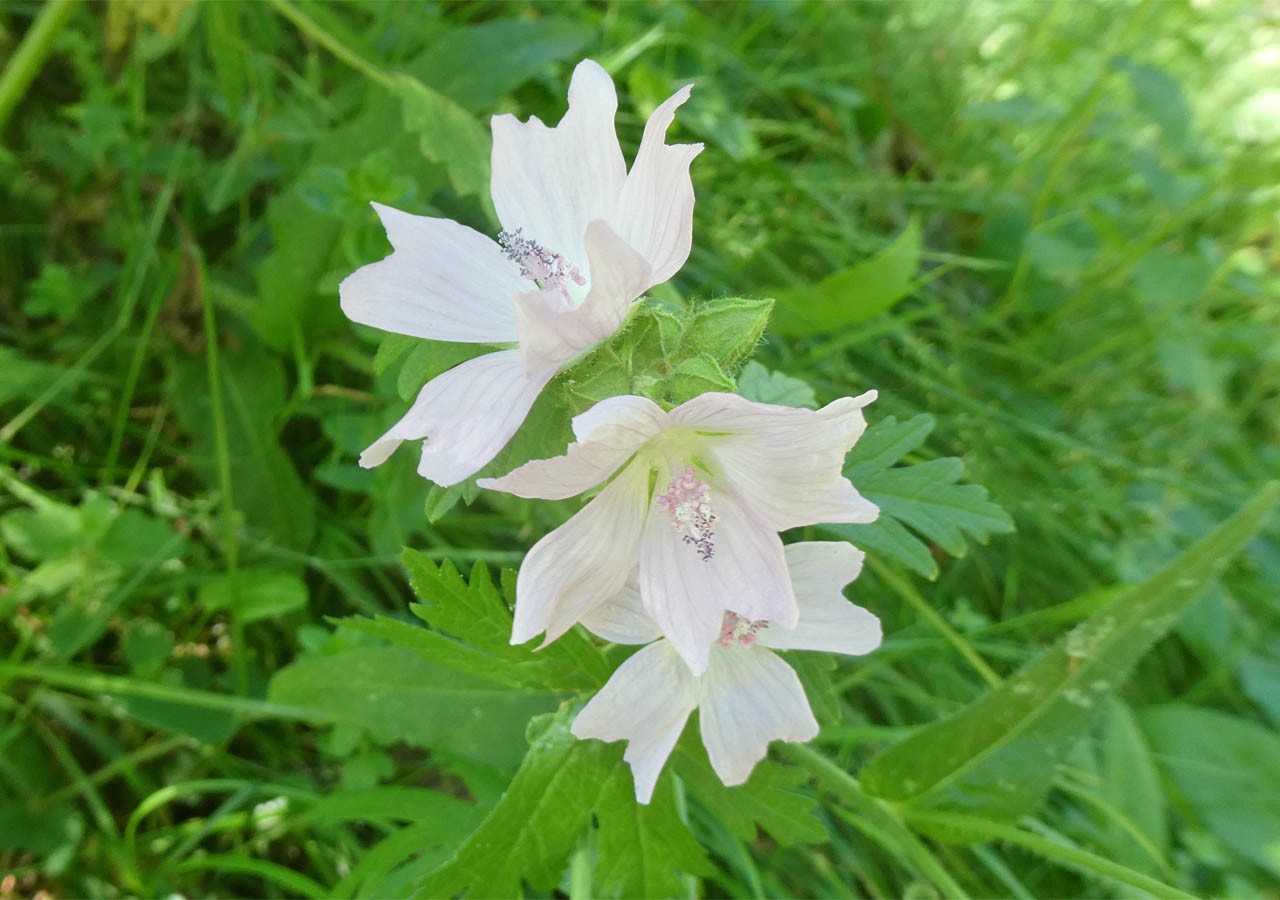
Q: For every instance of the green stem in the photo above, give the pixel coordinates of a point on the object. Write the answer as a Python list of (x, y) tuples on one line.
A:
[(313, 30), (32, 52), (878, 815), (1073, 857), (907, 592)]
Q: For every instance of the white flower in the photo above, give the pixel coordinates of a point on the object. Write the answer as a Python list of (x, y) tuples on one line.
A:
[(698, 500), (582, 239), (748, 696)]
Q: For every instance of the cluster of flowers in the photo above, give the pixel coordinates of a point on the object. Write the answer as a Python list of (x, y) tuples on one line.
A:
[(679, 549)]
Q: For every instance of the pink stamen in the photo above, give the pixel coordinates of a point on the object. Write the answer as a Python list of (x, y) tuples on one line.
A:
[(739, 630), (688, 503)]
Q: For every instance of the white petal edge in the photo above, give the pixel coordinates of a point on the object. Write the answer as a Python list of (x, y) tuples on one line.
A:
[(583, 562), (749, 698), (443, 281), (827, 621), (785, 461), (610, 433), (552, 182), (466, 416), (686, 596), (646, 703), (655, 210), (621, 618)]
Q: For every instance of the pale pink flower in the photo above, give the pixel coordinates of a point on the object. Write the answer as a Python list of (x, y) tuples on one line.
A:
[(696, 501), (582, 239), (747, 696)]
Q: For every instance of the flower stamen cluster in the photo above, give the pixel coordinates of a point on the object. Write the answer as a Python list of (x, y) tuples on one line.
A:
[(547, 268), (688, 503), (739, 631)]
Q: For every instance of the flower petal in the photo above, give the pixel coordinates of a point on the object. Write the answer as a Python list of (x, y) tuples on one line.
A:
[(467, 415), (583, 562), (443, 281), (646, 703), (551, 182), (621, 618), (686, 595), (819, 572), (786, 462), (655, 210), (553, 329), (608, 434), (749, 698)]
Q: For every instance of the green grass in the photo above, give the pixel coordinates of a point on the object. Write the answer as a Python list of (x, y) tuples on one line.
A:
[(1092, 327)]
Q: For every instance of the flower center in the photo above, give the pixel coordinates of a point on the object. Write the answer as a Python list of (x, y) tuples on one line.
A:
[(536, 263), (688, 504), (736, 629)]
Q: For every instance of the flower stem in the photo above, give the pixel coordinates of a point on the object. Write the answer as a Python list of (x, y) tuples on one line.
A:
[(31, 54)]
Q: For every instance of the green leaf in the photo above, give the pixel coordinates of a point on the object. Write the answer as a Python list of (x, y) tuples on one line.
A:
[(755, 382), (1131, 784), (1160, 96), (251, 595), (690, 378), (998, 754), (769, 802), (535, 826), (643, 850), (399, 696), (448, 134), (853, 295), (398, 803), (1226, 768), (476, 614), (924, 496)]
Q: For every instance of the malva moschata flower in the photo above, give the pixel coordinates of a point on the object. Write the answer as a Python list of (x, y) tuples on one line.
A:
[(697, 498), (582, 238), (747, 696)]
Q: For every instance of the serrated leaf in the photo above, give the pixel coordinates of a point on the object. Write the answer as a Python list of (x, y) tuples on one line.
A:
[(853, 295), (449, 134), (924, 496), (755, 382), (475, 613), (643, 850), (399, 696), (769, 802), (998, 754), (530, 834)]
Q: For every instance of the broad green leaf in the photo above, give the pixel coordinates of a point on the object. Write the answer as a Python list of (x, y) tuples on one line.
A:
[(1131, 784), (1159, 95), (770, 802), (755, 382), (998, 755), (530, 834), (643, 850), (399, 696), (924, 496), (448, 134), (1228, 769), (212, 726), (475, 613), (1260, 679), (853, 295), (251, 595)]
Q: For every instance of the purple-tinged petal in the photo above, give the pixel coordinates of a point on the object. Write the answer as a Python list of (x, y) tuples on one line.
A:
[(646, 703), (827, 621), (749, 698), (583, 562), (655, 210), (467, 415), (443, 281)]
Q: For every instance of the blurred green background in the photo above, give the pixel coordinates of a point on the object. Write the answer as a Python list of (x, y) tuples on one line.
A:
[(1093, 324)]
